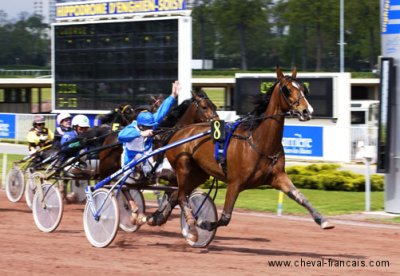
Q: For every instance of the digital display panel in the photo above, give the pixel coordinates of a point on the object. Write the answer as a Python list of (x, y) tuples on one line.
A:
[(100, 65), (387, 82), (320, 97)]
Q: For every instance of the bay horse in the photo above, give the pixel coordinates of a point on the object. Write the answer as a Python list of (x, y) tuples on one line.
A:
[(255, 156), (197, 109)]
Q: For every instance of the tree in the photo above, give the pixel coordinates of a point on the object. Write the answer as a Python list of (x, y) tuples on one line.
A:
[(3, 17), (318, 22), (362, 33), (242, 28), (24, 42), (203, 31)]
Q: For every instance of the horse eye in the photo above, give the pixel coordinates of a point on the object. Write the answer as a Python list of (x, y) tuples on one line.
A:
[(286, 90)]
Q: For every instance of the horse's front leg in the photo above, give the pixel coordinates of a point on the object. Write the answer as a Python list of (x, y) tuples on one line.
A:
[(161, 216), (136, 217), (232, 193), (283, 183), (192, 234)]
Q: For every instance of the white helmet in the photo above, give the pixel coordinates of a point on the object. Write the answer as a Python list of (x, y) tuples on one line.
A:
[(81, 121), (38, 119), (62, 116)]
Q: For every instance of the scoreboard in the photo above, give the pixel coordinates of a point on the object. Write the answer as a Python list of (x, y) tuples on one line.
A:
[(102, 61), (321, 97)]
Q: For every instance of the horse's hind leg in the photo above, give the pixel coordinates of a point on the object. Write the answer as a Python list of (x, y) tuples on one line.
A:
[(283, 183)]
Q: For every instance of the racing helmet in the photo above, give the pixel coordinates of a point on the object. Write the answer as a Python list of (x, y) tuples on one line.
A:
[(145, 118), (81, 121), (38, 119), (62, 116)]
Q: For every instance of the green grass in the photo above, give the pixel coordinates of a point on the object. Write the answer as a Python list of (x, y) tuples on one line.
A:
[(216, 95), (10, 159), (326, 202)]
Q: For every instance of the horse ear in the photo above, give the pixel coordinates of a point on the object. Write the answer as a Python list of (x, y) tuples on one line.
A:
[(279, 74), (294, 72), (195, 92)]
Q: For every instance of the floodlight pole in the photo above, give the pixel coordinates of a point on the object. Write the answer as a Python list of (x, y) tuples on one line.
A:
[(341, 43)]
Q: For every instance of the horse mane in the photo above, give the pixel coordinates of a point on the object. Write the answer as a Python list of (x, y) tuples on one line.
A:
[(260, 101), (175, 114)]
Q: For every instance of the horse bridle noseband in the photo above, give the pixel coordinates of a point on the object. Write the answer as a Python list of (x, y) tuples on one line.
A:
[(297, 101)]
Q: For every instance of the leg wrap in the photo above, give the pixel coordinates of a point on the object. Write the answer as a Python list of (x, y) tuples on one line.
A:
[(302, 200), (225, 219)]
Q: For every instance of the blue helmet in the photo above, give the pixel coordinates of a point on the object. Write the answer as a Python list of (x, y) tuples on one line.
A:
[(145, 118)]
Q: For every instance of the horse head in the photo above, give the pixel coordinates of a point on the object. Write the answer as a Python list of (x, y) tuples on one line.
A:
[(204, 108), (293, 94), (125, 114)]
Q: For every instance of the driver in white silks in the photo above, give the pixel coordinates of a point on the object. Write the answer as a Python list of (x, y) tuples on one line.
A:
[(137, 138)]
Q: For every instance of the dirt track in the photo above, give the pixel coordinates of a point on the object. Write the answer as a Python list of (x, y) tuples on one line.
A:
[(245, 247)]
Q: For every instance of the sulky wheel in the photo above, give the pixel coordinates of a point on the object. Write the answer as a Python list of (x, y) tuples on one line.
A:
[(203, 212), (101, 228), (33, 181), (125, 210), (15, 184), (47, 213)]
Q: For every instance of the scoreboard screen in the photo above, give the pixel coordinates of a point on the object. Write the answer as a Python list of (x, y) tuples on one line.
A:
[(320, 97), (99, 65)]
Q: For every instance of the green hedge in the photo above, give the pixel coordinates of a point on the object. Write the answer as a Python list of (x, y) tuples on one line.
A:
[(329, 177), (324, 177)]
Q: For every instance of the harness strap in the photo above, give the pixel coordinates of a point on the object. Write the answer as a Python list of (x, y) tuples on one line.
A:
[(221, 148), (273, 158)]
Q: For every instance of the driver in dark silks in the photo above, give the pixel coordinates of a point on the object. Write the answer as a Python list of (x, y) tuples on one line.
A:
[(71, 145)]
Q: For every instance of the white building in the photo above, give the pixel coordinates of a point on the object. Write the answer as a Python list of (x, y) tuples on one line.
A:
[(45, 8)]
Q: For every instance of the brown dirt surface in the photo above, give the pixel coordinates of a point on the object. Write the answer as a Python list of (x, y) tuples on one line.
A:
[(246, 247)]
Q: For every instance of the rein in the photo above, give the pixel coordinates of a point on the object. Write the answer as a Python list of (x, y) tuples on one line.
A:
[(249, 140), (274, 158)]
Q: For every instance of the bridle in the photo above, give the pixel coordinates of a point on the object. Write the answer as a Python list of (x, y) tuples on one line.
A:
[(123, 114), (301, 95), (201, 112)]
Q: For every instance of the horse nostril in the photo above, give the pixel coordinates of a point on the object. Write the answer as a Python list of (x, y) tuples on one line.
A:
[(306, 113)]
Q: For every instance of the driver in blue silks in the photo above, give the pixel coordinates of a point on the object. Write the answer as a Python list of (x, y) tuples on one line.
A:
[(137, 137)]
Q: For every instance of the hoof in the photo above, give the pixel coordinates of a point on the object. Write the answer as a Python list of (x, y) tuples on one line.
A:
[(326, 225), (206, 225), (138, 219), (151, 221), (190, 236), (156, 220)]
